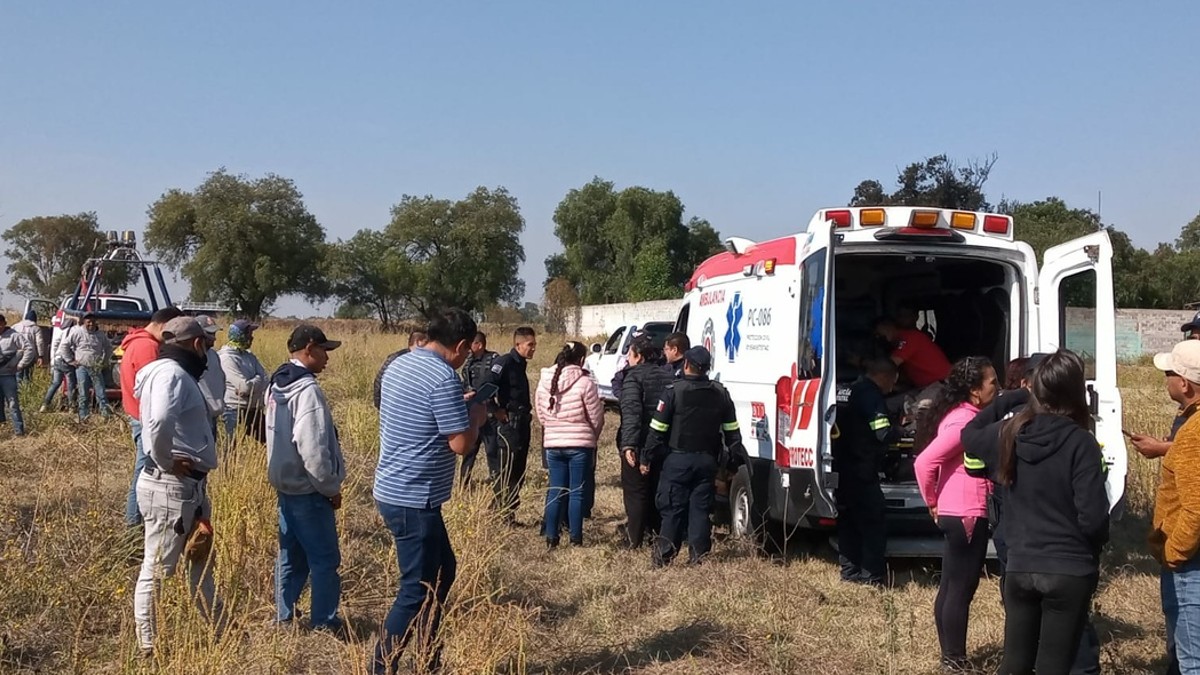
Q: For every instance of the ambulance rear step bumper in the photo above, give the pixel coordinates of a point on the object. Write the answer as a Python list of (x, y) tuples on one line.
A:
[(917, 547)]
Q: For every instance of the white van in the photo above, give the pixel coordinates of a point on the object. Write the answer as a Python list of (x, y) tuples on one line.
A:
[(781, 318), (607, 359)]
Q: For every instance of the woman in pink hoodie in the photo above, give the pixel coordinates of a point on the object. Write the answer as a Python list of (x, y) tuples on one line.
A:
[(572, 416), (957, 502)]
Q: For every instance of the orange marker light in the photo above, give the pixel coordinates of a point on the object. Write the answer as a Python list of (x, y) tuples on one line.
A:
[(871, 217), (962, 220), (769, 266), (925, 219)]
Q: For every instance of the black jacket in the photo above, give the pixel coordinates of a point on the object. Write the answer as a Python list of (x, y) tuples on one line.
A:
[(508, 372), (865, 431), (641, 391), (1056, 510), (377, 391)]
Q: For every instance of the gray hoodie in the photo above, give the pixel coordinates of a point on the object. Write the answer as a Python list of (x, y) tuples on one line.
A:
[(245, 378), (86, 347), (212, 384), (303, 453), (33, 333), (174, 415), (16, 352)]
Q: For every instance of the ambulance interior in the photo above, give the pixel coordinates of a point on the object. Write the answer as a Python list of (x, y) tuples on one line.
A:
[(963, 303)]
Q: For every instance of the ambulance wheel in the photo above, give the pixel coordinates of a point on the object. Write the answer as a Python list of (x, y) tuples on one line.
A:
[(746, 521)]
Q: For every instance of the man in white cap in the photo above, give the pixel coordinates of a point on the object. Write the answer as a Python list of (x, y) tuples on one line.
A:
[(1175, 532), (213, 381), (172, 489)]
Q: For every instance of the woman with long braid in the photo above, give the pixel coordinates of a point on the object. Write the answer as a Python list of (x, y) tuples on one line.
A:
[(572, 416), (956, 500)]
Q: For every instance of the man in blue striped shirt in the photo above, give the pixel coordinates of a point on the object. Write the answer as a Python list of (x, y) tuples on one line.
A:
[(424, 422)]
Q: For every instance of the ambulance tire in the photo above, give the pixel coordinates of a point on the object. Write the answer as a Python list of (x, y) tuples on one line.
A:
[(747, 521)]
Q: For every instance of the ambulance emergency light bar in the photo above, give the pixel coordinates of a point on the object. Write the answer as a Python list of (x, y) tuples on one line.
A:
[(917, 221)]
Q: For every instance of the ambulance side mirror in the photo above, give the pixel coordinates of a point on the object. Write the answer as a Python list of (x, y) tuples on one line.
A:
[(596, 347)]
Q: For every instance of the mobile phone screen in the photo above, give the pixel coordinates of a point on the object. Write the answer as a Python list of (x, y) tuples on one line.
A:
[(485, 392)]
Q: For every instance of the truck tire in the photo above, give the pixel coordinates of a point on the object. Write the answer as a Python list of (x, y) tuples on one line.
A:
[(746, 520)]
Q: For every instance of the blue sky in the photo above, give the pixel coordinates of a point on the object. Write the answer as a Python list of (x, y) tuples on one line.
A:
[(755, 114)]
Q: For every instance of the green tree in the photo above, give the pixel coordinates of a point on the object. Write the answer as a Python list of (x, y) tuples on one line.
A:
[(627, 245), (47, 255), (936, 181), (351, 311), (1189, 236), (463, 254), (239, 240), (370, 273), (560, 305)]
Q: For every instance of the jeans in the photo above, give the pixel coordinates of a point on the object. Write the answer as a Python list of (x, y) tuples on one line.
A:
[(685, 498), (10, 391), (568, 481), (427, 568), (170, 506), (962, 561), (308, 547), (861, 532), (251, 420), (1181, 606), (59, 373), (639, 491), (91, 381), (1045, 615), (133, 517)]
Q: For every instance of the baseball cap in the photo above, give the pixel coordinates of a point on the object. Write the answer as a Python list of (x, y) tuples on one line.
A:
[(699, 357), (1183, 360), (244, 326), (1191, 325), (208, 324), (181, 329), (1033, 362), (306, 334)]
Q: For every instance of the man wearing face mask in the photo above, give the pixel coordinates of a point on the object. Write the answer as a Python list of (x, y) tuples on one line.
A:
[(172, 490)]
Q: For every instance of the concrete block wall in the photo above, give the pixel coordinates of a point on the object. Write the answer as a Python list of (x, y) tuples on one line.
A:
[(1139, 331)]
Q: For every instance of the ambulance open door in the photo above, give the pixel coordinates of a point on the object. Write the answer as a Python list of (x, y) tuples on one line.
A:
[(1077, 311)]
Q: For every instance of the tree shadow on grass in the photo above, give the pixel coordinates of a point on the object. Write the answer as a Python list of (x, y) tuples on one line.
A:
[(693, 640)]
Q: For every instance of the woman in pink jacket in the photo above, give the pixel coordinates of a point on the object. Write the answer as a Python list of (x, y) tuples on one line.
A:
[(957, 502), (572, 417)]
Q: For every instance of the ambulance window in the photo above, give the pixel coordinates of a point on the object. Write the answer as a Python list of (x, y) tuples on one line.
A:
[(1077, 321), (682, 321), (812, 315), (614, 342)]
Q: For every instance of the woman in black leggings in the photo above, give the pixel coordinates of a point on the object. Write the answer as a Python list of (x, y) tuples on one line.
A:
[(957, 501), (1049, 469)]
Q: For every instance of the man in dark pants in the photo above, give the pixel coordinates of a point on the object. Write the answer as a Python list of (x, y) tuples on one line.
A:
[(1007, 404), (699, 417), (476, 371), (866, 430), (513, 417)]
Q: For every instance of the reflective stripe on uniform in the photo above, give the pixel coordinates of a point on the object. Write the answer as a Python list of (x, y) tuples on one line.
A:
[(659, 426), (880, 422), (973, 463), (730, 426)]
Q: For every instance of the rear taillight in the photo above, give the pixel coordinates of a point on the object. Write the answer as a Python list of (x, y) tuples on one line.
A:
[(839, 218), (996, 224)]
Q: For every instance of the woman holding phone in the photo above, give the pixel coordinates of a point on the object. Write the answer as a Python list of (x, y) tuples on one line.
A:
[(572, 416)]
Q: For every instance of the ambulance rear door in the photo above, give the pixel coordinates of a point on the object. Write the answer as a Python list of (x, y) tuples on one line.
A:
[(1077, 311)]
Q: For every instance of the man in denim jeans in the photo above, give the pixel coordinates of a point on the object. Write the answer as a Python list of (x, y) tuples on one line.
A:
[(306, 468), (16, 354), (425, 421), (138, 349), (87, 349), (1175, 537)]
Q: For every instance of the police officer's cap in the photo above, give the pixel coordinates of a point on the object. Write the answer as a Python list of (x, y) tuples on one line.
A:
[(699, 358)]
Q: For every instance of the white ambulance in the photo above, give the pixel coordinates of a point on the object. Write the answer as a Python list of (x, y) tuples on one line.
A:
[(782, 317)]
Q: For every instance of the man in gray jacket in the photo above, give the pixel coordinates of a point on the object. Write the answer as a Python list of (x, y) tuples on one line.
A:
[(32, 332), (16, 354), (245, 382), (306, 468), (213, 381), (172, 490), (88, 350)]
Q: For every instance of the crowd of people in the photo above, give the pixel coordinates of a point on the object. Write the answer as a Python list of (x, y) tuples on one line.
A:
[(1014, 462)]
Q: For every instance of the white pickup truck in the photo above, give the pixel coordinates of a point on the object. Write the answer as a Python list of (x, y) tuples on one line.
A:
[(609, 358)]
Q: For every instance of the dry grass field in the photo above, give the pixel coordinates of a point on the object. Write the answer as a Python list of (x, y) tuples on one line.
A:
[(66, 576)]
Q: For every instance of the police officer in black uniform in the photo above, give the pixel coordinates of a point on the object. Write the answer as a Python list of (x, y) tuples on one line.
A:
[(513, 417), (865, 431), (476, 371), (696, 421)]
